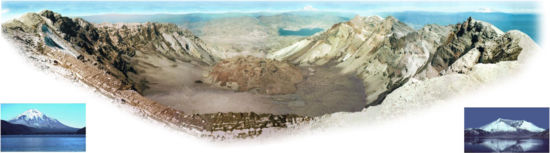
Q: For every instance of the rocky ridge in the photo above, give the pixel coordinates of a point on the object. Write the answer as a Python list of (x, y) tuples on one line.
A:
[(386, 53), (122, 50)]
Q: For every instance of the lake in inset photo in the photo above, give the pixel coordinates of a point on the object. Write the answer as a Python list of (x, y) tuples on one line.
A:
[(43, 127), (506, 130)]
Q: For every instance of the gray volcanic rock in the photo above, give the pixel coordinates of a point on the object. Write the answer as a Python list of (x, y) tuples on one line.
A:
[(353, 45), (123, 50), (508, 47), (464, 63), (478, 36), (386, 53), (464, 37)]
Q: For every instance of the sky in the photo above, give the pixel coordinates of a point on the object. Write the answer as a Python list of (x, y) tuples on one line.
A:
[(12, 9), (477, 117), (70, 114)]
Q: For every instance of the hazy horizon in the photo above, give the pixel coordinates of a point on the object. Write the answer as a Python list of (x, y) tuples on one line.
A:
[(12, 9)]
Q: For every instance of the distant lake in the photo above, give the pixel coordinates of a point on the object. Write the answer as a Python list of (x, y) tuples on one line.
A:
[(505, 145), (301, 32), (67, 143)]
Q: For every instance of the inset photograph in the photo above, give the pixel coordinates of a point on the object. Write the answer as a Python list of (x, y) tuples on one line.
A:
[(506, 129), (43, 127)]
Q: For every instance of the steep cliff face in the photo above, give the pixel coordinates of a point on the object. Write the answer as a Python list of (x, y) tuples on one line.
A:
[(464, 37), (386, 53), (123, 50), (490, 44), (383, 52)]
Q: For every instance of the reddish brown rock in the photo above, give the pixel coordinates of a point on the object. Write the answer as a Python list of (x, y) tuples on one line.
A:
[(255, 74)]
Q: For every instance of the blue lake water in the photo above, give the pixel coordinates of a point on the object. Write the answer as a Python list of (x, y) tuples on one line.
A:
[(66, 143), (505, 145), (507, 16), (301, 32)]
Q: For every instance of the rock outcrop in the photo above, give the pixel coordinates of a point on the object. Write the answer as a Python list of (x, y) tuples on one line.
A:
[(252, 73), (464, 37), (120, 49), (492, 44), (386, 53)]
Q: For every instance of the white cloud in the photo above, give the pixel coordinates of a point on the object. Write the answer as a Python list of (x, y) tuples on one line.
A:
[(309, 8), (485, 10), (5, 11)]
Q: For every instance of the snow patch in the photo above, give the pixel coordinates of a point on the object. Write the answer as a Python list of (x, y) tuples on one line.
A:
[(309, 8), (4, 11), (31, 114), (530, 127), (485, 10)]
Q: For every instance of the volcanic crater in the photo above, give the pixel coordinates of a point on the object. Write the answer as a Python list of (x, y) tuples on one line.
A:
[(171, 75)]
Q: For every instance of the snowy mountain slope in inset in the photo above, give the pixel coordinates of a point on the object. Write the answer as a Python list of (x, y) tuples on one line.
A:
[(507, 125), (530, 127), (36, 119), (31, 114)]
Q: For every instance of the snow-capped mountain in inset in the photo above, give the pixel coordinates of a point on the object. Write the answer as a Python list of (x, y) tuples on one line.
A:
[(31, 114), (36, 119), (507, 125)]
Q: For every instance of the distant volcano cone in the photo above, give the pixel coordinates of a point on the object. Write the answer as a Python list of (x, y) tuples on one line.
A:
[(35, 119)]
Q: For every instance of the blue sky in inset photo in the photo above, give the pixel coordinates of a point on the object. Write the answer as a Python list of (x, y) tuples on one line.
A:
[(477, 117), (71, 114)]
